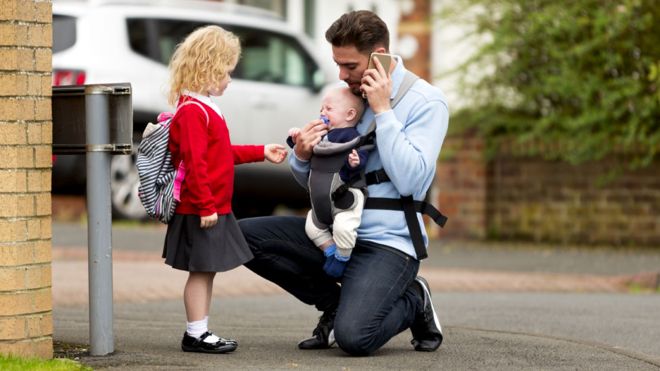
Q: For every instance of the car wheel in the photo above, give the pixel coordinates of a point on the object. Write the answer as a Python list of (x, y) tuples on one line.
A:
[(124, 182)]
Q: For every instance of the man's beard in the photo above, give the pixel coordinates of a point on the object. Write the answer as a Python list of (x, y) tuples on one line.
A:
[(355, 89)]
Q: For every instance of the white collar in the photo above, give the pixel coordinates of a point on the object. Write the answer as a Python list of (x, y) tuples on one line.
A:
[(206, 100)]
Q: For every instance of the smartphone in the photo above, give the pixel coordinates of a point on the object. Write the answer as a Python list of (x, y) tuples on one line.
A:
[(384, 59)]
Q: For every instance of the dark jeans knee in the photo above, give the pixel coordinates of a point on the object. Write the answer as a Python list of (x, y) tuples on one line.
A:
[(248, 227), (353, 340)]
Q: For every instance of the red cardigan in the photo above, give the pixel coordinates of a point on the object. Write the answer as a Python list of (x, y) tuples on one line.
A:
[(208, 157)]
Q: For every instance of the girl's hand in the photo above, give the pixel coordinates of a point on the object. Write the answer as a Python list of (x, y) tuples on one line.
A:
[(353, 159), (208, 221), (275, 153)]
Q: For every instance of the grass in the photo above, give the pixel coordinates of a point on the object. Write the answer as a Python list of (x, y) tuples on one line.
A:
[(12, 363), (637, 288)]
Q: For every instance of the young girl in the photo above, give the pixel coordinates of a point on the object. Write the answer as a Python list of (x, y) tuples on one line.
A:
[(203, 237)]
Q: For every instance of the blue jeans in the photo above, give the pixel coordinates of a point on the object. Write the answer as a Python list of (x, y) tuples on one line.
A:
[(376, 299)]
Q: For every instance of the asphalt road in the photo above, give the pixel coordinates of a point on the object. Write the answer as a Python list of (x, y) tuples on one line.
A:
[(483, 330), (520, 331)]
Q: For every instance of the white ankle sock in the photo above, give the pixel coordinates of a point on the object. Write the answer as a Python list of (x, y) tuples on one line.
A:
[(197, 328)]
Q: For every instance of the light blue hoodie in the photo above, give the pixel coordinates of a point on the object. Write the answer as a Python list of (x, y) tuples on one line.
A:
[(408, 142)]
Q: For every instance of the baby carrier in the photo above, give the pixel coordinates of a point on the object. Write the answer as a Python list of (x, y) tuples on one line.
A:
[(326, 189)]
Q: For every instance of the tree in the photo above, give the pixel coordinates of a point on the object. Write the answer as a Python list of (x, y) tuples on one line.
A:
[(576, 79)]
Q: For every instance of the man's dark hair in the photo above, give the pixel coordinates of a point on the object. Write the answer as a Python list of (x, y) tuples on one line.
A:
[(361, 28)]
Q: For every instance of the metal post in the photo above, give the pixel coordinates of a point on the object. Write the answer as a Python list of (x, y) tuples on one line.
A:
[(99, 219)]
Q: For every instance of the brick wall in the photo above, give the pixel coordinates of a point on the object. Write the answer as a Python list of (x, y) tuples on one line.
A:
[(533, 199), (523, 198), (26, 322), (461, 186)]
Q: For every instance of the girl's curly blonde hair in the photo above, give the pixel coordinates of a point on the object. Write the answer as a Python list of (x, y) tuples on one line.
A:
[(202, 60)]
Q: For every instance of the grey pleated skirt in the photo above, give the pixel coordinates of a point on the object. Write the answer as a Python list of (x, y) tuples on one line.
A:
[(217, 249)]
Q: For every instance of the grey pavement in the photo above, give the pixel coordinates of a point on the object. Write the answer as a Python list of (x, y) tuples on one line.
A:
[(505, 311)]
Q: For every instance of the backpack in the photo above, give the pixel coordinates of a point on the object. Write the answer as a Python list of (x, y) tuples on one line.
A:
[(160, 183)]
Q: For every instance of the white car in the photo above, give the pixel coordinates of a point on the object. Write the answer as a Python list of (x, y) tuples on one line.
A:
[(276, 84)]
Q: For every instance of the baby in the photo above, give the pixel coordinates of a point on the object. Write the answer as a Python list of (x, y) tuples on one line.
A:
[(341, 110)]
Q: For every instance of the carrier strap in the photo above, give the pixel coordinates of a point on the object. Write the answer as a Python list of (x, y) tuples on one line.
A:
[(410, 208), (397, 204), (376, 177), (407, 204), (409, 80)]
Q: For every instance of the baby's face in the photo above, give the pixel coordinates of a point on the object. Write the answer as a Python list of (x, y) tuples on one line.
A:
[(336, 109)]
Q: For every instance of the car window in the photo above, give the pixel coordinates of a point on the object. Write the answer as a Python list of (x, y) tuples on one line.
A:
[(64, 32), (157, 38), (266, 56), (272, 57)]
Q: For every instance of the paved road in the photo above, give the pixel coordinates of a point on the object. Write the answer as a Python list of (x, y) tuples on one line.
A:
[(512, 307), (482, 333)]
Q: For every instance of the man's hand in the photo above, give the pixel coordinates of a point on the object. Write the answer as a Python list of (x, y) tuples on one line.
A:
[(275, 153), (208, 221), (377, 86), (353, 159), (309, 136), (294, 133)]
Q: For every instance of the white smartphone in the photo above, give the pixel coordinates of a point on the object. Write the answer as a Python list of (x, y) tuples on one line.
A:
[(383, 58)]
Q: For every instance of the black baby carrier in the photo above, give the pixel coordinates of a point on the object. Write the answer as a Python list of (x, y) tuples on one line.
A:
[(326, 189)]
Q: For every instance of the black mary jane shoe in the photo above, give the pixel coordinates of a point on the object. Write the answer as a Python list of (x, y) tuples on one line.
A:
[(191, 344)]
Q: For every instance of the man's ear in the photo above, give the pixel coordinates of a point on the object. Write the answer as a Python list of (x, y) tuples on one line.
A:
[(380, 49)]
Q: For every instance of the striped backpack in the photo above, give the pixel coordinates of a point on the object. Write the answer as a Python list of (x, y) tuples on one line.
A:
[(160, 182)]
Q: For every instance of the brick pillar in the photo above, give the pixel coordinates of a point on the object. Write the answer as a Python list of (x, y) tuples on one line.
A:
[(26, 321), (416, 23)]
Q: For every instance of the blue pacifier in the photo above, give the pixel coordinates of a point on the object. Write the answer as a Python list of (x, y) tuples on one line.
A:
[(325, 119)]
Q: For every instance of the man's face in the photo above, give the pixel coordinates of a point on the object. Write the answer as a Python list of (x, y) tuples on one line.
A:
[(352, 65)]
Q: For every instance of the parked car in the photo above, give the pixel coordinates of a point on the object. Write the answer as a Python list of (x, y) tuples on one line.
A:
[(276, 85)]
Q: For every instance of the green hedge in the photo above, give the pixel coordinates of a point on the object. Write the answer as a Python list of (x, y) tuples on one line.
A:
[(579, 78)]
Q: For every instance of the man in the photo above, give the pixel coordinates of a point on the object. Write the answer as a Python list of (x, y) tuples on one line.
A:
[(380, 293)]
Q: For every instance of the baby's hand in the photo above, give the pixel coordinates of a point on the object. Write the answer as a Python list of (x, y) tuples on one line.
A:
[(294, 133), (353, 159), (275, 153)]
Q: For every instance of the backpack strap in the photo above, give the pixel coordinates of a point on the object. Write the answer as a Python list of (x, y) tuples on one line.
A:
[(206, 114), (181, 169)]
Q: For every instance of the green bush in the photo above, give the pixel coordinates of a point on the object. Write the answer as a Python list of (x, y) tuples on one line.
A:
[(578, 80)]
